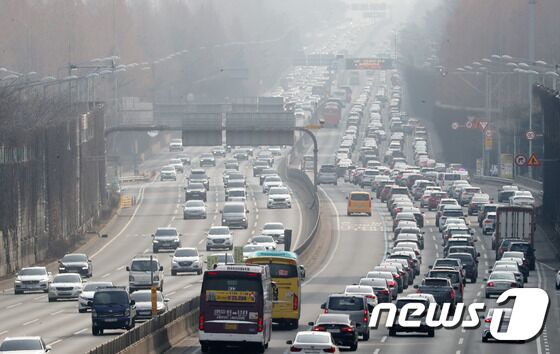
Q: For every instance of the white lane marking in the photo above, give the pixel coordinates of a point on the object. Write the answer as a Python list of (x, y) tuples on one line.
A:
[(383, 339), (30, 322), (483, 247), (140, 200), (56, 312), (201, 241), (146, 250), (14, 305), (80, 331), (376, 351), (121, 267), (38, 297), (105, 275), (461, 340), (478, 294), (257, 215), (171, 293), (458, 352), (435, 245), (255, 224), (187, 286), (337, 233), (463, 330), (437, 254), (55, 342), (8, 290), (3, 332)]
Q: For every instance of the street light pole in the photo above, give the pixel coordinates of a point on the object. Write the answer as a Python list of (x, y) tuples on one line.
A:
[(532, 19)]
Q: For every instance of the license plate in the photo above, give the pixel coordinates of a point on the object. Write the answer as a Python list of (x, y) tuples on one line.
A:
[(231, 326), (110, 320), (333, 330)]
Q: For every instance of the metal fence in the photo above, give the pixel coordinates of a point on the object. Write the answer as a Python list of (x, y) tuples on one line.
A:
[(147, 328)]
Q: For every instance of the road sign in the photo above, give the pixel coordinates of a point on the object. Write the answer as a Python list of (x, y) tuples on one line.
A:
[(520, 160), (530, 135), (202, 129), (454, 125), (369, 64), (488, 143), (483, 125), (260, 128), (533, 161), (468, 124), (488, 133), (313, 126)]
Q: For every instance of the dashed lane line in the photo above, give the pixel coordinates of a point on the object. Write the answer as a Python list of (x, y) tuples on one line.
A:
[(30, 322)]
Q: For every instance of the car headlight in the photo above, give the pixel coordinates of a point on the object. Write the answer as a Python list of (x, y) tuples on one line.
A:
[(196, 263), (156, 277), (224, 220), (176, 241), (127, 312), (61, 268), (17, 281), (130, 278), (173, 261), (155, 241), (85, 267), (244, 219)]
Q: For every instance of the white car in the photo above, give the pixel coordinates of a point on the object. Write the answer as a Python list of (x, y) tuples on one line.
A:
[(250, 250), (219, 237), (143, 302), (279, 197), (274, 229), (32, 279), (522, 200), (307, 342), (267, 241), (65, 286), (271, 181), (178, 164), (558, 280), (88, 292), (24, 345), (365, 290), (186, 259), (168, 172)]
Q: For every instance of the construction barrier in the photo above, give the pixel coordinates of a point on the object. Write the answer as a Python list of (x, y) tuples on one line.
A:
[(126, 201)]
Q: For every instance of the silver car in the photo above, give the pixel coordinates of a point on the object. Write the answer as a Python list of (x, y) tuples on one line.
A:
[(194, 209), (143, 299), (486, 335), (32, 279), (500, 281), (66, 286), (34, 345), (274, 229), (88, 292), (186, 260)]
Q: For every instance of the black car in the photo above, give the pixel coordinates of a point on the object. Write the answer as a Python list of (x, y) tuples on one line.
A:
[(76, 263), (401, 302), (470, 266), (195, 191), (343, 331), (527, 250)]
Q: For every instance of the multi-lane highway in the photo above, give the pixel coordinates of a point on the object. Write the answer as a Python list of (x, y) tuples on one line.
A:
[(159, 204)]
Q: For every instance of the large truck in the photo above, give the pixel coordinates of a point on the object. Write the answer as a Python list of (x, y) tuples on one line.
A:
[(331, 114), (513, 222)]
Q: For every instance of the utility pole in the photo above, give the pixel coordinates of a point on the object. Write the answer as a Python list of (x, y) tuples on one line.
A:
[(532, 20)]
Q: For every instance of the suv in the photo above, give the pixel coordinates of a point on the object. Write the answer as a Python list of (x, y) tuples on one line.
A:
[(195, 191), (186, 260), (234, 214), (140, 272), (111, 308), (219, 237), (199, 176), (166, 237), (32, 278), (401, 302), (353, 305), (207, 160), (76, 263), (168, 172), (327, 174)]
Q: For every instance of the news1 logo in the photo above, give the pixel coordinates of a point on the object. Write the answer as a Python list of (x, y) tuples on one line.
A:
[(527, 318)]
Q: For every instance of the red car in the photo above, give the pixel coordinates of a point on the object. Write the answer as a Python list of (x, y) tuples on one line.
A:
[(434, 199)]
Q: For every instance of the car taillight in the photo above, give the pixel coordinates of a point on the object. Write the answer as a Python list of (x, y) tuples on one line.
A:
[(490, 284), (295, 302), (452, 294), (366, 316), (488, 320), (330, 350), (326, 310), (487, 221), (347, 329), (384, 292), (397, 276), (319, 328), (201, 321), (514, 285), (260, 324), (294, 349), (392, 283)]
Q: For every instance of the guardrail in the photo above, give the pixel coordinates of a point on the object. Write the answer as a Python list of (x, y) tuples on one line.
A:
[(530, 184), (304, 179), (138, 178), (187, 311)]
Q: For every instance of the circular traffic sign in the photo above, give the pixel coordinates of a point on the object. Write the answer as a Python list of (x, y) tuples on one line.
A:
[(520, 160), (454, 125), (468, 124), (530, 135), (488, 133)]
